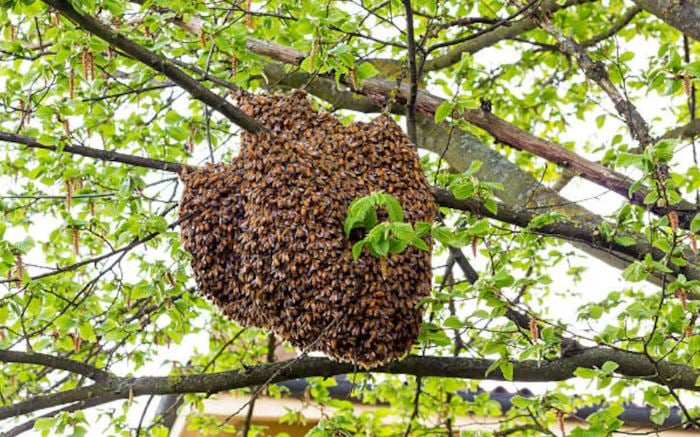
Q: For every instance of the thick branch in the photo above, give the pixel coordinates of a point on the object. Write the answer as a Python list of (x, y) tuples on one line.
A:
[(630, 365), (158, 63), (683, 15), (8, 356)]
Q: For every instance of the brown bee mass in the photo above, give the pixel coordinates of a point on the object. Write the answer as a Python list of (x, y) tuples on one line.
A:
[(266, 231)]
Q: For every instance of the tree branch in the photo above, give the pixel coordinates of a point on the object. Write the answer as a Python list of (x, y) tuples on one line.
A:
[(103, 155), (683, 15), (55, 362), (505, 22), (630, 365), (158, 63), (623, 21), (685, 132)]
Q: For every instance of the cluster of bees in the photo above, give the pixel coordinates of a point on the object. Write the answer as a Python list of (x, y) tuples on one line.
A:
[(266, 231)]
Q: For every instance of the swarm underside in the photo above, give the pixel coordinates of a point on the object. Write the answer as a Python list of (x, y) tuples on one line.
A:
[(266, 231)]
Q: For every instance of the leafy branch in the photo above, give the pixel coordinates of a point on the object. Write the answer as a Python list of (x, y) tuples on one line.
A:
[(392, 236)]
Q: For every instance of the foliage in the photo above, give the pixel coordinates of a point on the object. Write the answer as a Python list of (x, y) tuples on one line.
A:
[(387, 237), (92, 270)]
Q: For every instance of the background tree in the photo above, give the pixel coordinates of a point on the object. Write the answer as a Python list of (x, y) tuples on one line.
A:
[(104, 101)]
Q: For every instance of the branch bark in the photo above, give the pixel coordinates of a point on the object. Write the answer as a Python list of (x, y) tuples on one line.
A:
[(55, 362), (412, 72), (683, 15), (630, 365)]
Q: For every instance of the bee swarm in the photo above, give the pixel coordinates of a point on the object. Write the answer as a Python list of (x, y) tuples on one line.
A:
[(266, 231)]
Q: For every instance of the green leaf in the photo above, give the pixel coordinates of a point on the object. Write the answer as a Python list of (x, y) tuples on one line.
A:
[(381, 247), (45, 423), (585, 373), (651, 198), (25, 245), (635, 272), (365, 71), (360, 213), (659, 414), (595, 312), (695, 224), (86, 332), (443, 111), (443, 234), (397, 246), (625, 159), (503, 279), (4, 314), (393, 207), (664, 150), (491, 206), (156, 223), (474, 166), (625, 240), (507, 370), (403, 231), (634, 187), (453, 323), (480, 228), (609, 367), (370, 219), (141, 291), (420, 244), (693, 68), (422, 228), (522, 402), (464, 189)]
